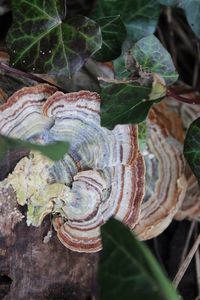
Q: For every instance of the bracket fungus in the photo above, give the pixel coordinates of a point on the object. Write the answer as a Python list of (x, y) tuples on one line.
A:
[(176, 117), (165, 180), (102, 175), (187, 113)]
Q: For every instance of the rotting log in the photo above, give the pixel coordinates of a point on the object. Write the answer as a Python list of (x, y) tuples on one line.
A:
[(32, 269)]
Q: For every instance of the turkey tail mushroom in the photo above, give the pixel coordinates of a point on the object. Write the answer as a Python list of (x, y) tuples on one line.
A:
[(20, 116), (117, 177), (102, 175), (165, 180), (119, 195), (190, 208), (177, 117)]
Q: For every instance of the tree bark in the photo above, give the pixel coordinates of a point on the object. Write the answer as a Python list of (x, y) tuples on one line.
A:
[(31, 269)]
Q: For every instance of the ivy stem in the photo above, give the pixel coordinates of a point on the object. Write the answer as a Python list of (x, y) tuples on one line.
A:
[(11, 70), (173, 95)]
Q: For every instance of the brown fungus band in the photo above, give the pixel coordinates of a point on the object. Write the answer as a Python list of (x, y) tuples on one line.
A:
[(177, 117), (102, 175), (165, 180), (187, 113)]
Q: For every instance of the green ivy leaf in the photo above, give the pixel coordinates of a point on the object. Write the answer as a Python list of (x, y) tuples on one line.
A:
[(127, 269), (54, 151), (139, 16), (42, 41), (120, 68), (154, 58), (127, 101), (113, 34), (192, 147), (192, 11), (121, 100)]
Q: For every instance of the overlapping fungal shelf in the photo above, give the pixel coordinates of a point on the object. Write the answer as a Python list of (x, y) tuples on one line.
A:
[(101, 176), (176, 117), (187, 113), (165, 180), (103, 173), (19, 119)]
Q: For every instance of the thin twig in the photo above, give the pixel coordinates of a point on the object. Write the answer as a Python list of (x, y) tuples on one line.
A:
[(171, 33), (65, 9), (196, 67), (183, 35), (197, 264), (185, 249), (23, 74), (186, 262), (172, 94)]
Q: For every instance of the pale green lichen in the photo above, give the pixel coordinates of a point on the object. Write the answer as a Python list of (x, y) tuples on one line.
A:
[(30, 182)]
